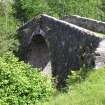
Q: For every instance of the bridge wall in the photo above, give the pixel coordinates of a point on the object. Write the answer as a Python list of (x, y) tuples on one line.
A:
[(70, 46), (91, 24)]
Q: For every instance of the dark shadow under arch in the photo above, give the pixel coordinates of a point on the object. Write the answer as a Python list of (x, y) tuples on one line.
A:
[(38, 52)]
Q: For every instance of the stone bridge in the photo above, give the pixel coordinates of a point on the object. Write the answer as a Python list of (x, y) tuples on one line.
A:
[(59, 46)]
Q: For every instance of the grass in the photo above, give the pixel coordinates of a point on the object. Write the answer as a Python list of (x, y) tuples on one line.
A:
[(89, 92), (100, 34)]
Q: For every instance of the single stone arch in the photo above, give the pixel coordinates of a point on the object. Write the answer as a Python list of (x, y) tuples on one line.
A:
[(38, 53), (70, 46)]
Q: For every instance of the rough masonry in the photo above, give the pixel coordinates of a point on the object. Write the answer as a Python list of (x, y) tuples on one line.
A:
[(58, 46), (91, 24)]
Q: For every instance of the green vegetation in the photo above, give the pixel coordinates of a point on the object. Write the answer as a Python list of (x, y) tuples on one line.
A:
[(88, 92), (23, 10), (26, 9), (8, 38), (20, 84), (102, 9), (8, 25)]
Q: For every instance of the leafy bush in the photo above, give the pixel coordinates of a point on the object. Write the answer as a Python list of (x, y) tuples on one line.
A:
[(20, 84), (8, 38)]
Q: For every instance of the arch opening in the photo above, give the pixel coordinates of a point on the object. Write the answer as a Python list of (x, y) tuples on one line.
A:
[(38, 54)]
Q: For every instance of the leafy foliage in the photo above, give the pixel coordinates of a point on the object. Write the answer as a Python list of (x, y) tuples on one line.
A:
[(1, 9), (58, 8), (6, 7), (8, 24), (20, 13), (20, 84), (26, 9), (102, 9), (8, 37)]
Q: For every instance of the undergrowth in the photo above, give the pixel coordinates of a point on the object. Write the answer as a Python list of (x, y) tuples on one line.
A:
[(20, 84), (91, 91)]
